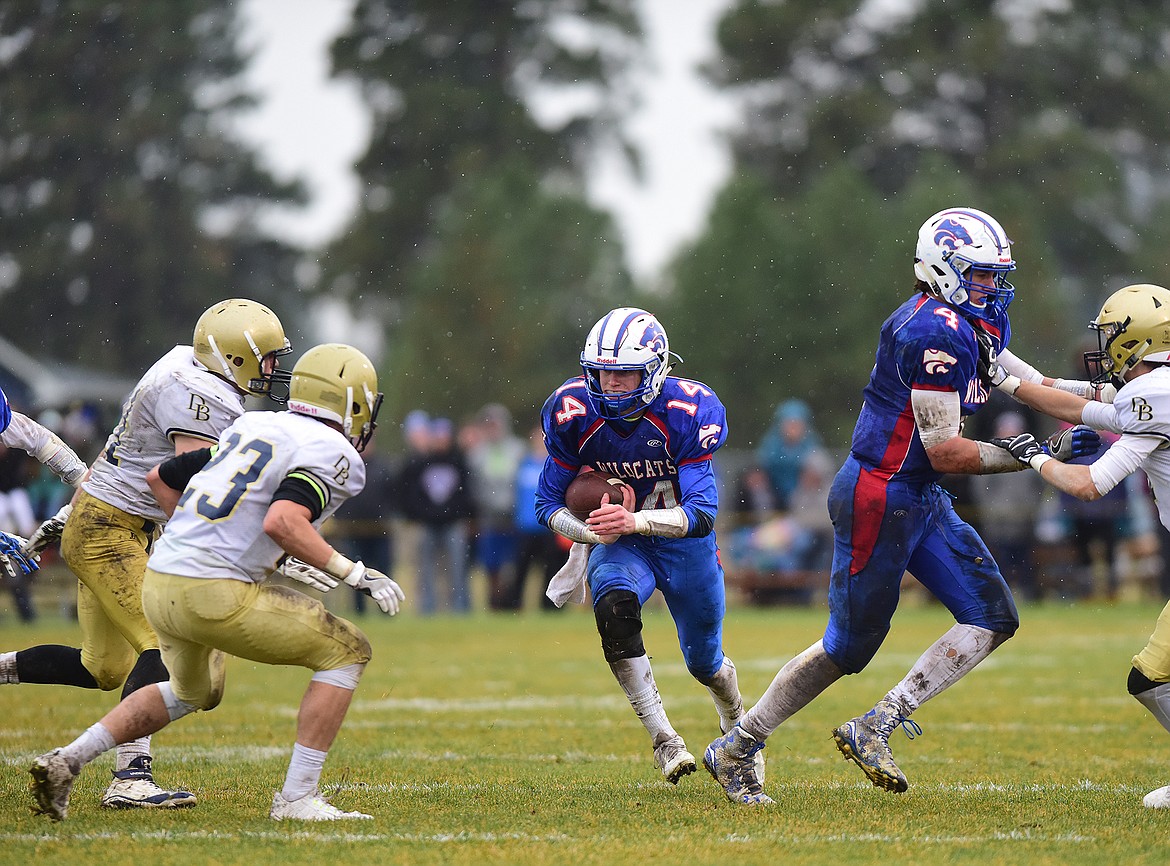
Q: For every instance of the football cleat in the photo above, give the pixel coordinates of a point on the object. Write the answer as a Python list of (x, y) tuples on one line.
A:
[(671, 756), (1159, 799), (865, 741), (759, 758), (732, 761), (311, 807), (135, 788), (52, 780)]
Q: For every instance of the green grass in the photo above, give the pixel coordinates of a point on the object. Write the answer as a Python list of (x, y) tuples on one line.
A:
[(504, 739)]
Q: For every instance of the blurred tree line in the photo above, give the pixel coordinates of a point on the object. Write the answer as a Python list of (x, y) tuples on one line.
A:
[(126, 206)]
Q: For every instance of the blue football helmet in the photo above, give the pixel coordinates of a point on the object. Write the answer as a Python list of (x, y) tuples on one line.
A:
[(956, 241), (626, 339)]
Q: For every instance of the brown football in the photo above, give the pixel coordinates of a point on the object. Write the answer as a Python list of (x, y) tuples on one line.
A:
[(585, 492)]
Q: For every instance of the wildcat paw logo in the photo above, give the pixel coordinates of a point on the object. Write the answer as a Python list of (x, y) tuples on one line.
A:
[(653, 338), (709, 435), (937, 362)]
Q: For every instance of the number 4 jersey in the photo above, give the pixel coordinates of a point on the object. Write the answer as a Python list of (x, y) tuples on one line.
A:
[(217, 531)]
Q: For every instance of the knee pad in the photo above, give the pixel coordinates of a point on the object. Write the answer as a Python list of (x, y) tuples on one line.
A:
[(619, 622), (1139, 682), (176, 708), (148, 670)]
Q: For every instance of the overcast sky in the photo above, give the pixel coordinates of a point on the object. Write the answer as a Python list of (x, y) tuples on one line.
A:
[(315, 128)]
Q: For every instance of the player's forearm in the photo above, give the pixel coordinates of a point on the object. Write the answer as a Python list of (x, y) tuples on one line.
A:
[(287, 524), (1071, 478), (1062, 405), (956, 456)]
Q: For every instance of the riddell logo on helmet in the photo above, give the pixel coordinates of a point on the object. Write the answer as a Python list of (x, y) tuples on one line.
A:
[(303, 408)]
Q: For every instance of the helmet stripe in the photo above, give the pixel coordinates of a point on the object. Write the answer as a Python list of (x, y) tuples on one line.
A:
[(1000, 242)]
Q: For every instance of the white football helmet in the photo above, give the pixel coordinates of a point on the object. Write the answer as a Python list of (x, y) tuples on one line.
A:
[(954, 241), (234, 338), (626, 339), (1133, 326), (337, 383)]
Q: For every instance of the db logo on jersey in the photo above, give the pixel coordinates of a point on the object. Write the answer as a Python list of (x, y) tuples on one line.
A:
[(936, 361), (709, 435)]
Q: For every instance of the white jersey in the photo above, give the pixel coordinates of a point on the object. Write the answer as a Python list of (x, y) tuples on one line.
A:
[(217, 531), (177, 396), (1141, 414)]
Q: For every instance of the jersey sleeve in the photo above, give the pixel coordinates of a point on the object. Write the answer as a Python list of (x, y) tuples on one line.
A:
[(5, 412), (940, 356), (190, 408), (1142, 410), (699, 429), (560, 435)]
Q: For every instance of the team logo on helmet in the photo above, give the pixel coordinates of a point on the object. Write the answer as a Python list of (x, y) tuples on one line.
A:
[(653, 338), (951, 234)]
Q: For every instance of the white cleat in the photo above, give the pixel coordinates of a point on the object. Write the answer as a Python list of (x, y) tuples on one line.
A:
[(311, 807), (671, 756), (52, 780), (135, 788), (1159, 799)]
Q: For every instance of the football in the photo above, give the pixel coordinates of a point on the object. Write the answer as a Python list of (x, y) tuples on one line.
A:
[(585, 492)]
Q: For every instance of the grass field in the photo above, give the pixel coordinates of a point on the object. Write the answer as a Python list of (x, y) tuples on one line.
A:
[(504, 739)]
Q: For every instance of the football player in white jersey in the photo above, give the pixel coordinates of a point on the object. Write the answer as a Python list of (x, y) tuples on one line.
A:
[(182, 403), (1133, 332), (273, 479), (19, 431)]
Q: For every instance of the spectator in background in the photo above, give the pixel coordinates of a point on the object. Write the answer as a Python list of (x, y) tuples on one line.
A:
[(1008, 506), (363, 525), (434, 493), (16, 511), (785, 447), (754, 501), (1096, 527), (17, 518), (536, 544), (493, 461)]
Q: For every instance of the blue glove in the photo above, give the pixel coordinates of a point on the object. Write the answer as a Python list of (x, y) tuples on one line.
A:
[(1079, 441), (15, 562)]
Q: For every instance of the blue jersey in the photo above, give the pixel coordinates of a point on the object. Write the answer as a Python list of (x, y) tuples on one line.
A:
[(5, 412), (665, 455), (924, 345)]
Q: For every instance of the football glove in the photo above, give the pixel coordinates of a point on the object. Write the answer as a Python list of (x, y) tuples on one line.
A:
[(1079, 441), (1026, 449), (385, 592), (307, 574), (13, 558), (990, 372), (48, 532)]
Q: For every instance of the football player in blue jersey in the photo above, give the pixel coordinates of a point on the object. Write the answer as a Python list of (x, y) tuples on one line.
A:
[(889, 514), (17, 430), (626, 415)]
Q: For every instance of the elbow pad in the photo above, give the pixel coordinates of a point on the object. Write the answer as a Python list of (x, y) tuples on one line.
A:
[(61, 461), (666, 522)]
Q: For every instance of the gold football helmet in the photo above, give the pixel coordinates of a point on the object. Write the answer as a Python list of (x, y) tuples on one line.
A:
[(1133, 326), (338, 383), (235, 338)]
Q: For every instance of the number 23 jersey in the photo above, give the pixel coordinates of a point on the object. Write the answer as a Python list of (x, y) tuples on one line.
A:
[(217, 530)]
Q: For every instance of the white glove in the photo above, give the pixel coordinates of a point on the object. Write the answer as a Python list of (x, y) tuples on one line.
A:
[(388, 594), (307, 574), (48, 532)]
